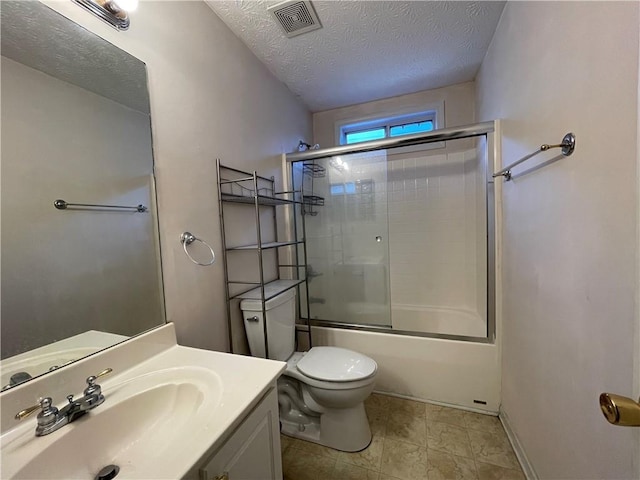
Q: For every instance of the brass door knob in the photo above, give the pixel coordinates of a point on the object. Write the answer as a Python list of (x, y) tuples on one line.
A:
[(620, 410)]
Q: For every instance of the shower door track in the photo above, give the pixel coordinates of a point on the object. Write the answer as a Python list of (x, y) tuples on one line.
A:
[(314, 322), (483, 129), (453, 133)]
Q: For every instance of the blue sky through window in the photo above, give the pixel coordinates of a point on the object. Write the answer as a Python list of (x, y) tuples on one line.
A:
[(365, 135), (409, 128), (348, 188), (337, 188)]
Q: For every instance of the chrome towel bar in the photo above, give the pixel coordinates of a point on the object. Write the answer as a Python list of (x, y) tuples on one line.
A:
[(568, 145), (62, 205)]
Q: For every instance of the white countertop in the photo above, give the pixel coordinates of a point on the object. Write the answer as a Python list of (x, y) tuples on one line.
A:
[(236, 384)]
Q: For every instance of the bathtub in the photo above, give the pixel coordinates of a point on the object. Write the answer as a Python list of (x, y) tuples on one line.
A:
[(451, 372), (448, 372), (408, 318), (444, 320)]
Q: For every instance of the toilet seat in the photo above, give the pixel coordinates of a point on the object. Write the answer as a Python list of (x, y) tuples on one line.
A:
[(293, 371), (333, 364)]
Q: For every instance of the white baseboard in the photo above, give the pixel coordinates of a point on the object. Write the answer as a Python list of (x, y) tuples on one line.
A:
[(440, 404), (526, 465)]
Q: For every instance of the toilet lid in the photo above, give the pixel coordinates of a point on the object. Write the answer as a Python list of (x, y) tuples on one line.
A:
[(335, 364)]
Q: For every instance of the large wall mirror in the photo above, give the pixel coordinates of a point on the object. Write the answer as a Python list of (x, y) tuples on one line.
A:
[(76, 126)]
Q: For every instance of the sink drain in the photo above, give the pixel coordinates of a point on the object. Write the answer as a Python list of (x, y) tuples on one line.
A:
[(108, 472)]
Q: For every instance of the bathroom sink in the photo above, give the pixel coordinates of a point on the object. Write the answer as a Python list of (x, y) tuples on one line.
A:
[(36, 365), (143, 427), (55, 355), (167, 410)]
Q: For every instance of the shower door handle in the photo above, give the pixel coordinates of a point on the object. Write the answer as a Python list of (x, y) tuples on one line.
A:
[(378, 238)]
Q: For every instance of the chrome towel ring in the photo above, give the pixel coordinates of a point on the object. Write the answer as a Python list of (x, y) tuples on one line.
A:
[(186, 239)]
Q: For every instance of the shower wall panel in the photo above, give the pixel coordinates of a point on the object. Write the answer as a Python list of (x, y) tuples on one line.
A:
[(437, 241)]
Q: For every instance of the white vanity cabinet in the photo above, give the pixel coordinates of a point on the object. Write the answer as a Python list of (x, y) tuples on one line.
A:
[(252, 451), (196, 414)]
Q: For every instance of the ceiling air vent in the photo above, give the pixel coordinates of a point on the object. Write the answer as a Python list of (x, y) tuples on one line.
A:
[(295, 17)]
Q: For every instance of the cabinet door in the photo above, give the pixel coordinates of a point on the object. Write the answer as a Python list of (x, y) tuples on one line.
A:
[(253, 451)]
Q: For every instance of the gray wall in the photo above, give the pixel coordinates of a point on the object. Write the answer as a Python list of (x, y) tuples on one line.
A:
[(570, 241), (66, 272), (210, 98)]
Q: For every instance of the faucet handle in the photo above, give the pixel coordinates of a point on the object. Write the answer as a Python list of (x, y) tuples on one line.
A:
[(44, 404), (92, 387), (92, 379)]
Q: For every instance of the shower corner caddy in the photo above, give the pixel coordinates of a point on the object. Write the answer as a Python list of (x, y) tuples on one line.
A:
[(250, 189)]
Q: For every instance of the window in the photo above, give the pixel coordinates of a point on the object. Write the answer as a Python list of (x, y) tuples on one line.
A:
[(348, 188), (352, 188), (365, 135), (380, 128), (409, 128)]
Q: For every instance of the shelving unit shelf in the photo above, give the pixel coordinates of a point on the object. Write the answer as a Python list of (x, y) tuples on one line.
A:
[(271, 290), (263, 200), (250, 189), (266, 246)]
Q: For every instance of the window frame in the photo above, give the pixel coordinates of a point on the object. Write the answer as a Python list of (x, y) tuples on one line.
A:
[(390, 118)]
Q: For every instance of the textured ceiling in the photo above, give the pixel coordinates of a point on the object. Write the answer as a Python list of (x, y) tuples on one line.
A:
[(368, 50), (72, 54)]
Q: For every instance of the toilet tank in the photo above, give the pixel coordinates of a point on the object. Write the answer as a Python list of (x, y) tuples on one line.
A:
[(281, 324)]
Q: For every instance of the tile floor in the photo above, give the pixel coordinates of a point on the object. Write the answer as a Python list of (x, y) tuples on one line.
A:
[(411, 441)]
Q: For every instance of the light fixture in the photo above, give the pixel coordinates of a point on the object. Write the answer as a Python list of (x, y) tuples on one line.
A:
[(339, 164), (110, 11), (128, 5)]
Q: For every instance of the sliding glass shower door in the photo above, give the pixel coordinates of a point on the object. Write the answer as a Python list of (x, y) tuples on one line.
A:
[(346, 221), (402, 238)]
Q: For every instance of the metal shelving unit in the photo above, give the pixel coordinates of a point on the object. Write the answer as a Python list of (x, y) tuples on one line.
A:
[(240, 187)]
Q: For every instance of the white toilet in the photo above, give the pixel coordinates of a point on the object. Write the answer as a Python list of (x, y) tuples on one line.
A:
[(322, 391)]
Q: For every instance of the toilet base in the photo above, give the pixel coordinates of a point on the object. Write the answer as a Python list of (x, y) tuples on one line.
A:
[(345, 429)]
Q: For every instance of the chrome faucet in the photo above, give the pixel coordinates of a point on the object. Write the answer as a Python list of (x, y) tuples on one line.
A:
[(17, 379), (51, 419)]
